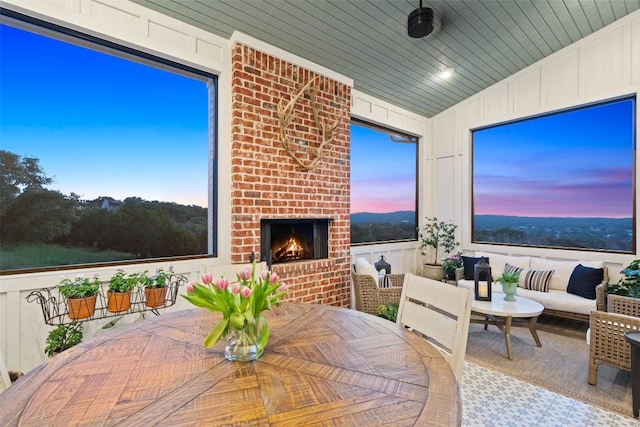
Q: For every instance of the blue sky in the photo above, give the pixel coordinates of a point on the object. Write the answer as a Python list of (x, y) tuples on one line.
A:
[(101, 125), (577, 163)]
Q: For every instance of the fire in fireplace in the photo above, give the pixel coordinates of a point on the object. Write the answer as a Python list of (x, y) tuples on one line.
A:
[(287, 240)]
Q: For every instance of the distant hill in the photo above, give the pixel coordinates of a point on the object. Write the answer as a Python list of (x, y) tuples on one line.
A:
[(397, 217), (611, 234), (527, 223)]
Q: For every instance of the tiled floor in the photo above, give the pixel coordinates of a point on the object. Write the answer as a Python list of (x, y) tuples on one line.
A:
[(493, 399)]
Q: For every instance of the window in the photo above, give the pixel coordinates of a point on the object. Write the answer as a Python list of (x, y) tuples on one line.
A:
[(105, 151), (561, 180), (383, 185)]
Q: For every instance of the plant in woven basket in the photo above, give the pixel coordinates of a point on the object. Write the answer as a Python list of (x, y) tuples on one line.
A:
[(388, 311), (629, 283)]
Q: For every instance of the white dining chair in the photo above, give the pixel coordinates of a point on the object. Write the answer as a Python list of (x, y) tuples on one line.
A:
[(441, 313)]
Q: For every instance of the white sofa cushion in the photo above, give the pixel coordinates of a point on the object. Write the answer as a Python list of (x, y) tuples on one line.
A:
[(552, 300), (497, 262)]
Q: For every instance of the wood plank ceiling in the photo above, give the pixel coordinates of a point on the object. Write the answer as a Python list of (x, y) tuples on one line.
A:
[(484, 41)]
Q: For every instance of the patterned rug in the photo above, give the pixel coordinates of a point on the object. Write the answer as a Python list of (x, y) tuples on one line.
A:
[(560, 365)]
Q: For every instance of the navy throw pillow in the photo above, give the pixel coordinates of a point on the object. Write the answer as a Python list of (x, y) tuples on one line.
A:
[(468, 263), (583, 281)]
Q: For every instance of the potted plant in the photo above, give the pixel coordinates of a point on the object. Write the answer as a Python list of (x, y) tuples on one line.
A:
[(62, 338), (155, 288), (629, 283), (119, 293), (388, 311), (509, 283), (81, 294), (435, 235), (450, 264)]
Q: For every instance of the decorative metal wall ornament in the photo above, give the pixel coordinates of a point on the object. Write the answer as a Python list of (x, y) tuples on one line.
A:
[(286, 115)]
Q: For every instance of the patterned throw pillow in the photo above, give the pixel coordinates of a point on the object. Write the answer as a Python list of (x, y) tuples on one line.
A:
[(535, 280), (512, 269)]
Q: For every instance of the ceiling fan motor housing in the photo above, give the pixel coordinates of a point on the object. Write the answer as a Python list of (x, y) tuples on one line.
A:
[(420, 22)]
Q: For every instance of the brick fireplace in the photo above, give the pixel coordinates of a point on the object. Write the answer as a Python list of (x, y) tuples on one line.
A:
[(269, 184)]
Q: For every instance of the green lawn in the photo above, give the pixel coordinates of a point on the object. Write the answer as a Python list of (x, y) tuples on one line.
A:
[(32, 255)]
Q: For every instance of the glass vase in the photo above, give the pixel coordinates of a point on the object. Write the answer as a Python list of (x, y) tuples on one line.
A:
[(244, 344)]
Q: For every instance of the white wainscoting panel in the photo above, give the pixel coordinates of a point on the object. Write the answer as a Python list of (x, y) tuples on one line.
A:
[(526, 91), (559, 80)]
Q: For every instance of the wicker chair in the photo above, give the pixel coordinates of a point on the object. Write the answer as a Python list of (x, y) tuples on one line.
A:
[(369, 296), (607, 329)]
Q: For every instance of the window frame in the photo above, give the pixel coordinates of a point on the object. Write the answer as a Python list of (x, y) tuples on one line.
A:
[(568, 108), (414, 139)]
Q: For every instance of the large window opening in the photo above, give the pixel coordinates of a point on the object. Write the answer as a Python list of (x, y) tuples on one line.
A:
[(562, 180), (105, 153), (383, 184)]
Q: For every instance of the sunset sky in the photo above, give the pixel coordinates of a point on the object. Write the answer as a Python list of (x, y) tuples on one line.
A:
[(573, 164), (383, 173)]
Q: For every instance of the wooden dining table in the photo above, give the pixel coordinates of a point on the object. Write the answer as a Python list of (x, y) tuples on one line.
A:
[(323, 365)]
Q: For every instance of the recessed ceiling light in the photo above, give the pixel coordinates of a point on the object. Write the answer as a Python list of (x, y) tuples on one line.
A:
[(445, 73)]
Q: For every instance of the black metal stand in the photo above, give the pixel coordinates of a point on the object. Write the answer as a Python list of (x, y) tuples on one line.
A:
[(55, 311)]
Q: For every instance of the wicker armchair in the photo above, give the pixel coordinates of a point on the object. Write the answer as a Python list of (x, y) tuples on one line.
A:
[(607, 329), (369, 296)]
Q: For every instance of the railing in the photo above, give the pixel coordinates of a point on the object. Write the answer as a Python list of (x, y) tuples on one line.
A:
[(55, 306)]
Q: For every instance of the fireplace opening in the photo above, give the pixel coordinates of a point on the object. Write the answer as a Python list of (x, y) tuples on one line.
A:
[(288, 240)]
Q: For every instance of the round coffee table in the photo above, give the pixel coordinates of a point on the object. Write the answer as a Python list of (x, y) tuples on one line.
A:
[(506, 314)]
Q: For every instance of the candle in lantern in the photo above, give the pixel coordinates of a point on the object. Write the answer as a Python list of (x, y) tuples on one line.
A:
[(483, 290)]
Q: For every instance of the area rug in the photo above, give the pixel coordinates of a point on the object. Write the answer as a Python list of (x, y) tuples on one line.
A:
[(560, 365)]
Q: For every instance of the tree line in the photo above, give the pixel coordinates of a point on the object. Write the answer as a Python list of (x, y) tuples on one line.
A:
[(381, 232), (31, 213)]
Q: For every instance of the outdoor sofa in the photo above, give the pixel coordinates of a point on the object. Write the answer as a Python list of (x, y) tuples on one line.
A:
[(572, 290)]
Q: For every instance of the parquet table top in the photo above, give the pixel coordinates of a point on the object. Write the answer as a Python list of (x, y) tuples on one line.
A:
[(323, 366)]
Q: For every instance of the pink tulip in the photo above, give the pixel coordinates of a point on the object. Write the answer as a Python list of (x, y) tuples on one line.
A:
[(222, 284), (235, 288), (190, 287), (274, 278), (207, 278), (282, 288), (245, 274), (245, 292), (264, 274)]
